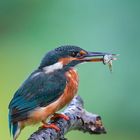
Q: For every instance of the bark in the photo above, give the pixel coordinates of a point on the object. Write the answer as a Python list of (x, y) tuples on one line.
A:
[(79, 119)]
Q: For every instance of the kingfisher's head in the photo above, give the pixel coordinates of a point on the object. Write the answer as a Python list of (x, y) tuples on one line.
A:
[(68, 56)]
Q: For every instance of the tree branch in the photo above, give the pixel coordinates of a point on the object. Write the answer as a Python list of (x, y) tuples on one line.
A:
[(79, 119)]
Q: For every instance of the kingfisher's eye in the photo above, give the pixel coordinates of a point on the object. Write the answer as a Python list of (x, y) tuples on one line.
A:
[(74, 54), (78, 54)]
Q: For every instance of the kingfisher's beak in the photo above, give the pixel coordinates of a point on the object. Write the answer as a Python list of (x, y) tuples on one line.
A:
[(95, 56)]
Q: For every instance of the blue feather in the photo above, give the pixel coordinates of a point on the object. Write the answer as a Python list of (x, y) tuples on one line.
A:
[(14, 129), (36, 91), (9, 121)]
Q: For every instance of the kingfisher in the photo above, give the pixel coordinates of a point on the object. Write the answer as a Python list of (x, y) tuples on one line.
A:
[(49, 88)]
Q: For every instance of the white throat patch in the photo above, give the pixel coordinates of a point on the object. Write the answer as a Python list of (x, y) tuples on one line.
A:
[(52, 68)]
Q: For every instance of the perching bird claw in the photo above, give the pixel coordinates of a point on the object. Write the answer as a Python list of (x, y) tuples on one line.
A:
[(52, 125), (56, 115)]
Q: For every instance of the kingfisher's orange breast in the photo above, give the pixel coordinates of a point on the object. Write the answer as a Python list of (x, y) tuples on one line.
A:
[(70, 90), (72, 85)]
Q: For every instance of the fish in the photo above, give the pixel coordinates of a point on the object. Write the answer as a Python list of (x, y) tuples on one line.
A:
[(108, 60)]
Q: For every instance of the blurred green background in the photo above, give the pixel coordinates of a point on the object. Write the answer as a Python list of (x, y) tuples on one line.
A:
[(30, 28)]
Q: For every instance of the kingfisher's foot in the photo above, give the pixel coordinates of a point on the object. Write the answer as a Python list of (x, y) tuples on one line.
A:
[(52, 125), (57, 115)]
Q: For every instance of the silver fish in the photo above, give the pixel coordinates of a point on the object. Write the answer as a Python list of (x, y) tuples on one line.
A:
[(107, 59)]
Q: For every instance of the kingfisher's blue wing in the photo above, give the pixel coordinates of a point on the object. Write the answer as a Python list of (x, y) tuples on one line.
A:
[(38, 90)]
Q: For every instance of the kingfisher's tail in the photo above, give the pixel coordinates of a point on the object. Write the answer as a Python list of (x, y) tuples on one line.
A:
[(14, 129)]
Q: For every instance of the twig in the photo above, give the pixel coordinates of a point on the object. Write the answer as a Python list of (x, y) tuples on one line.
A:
[(79, 119)]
